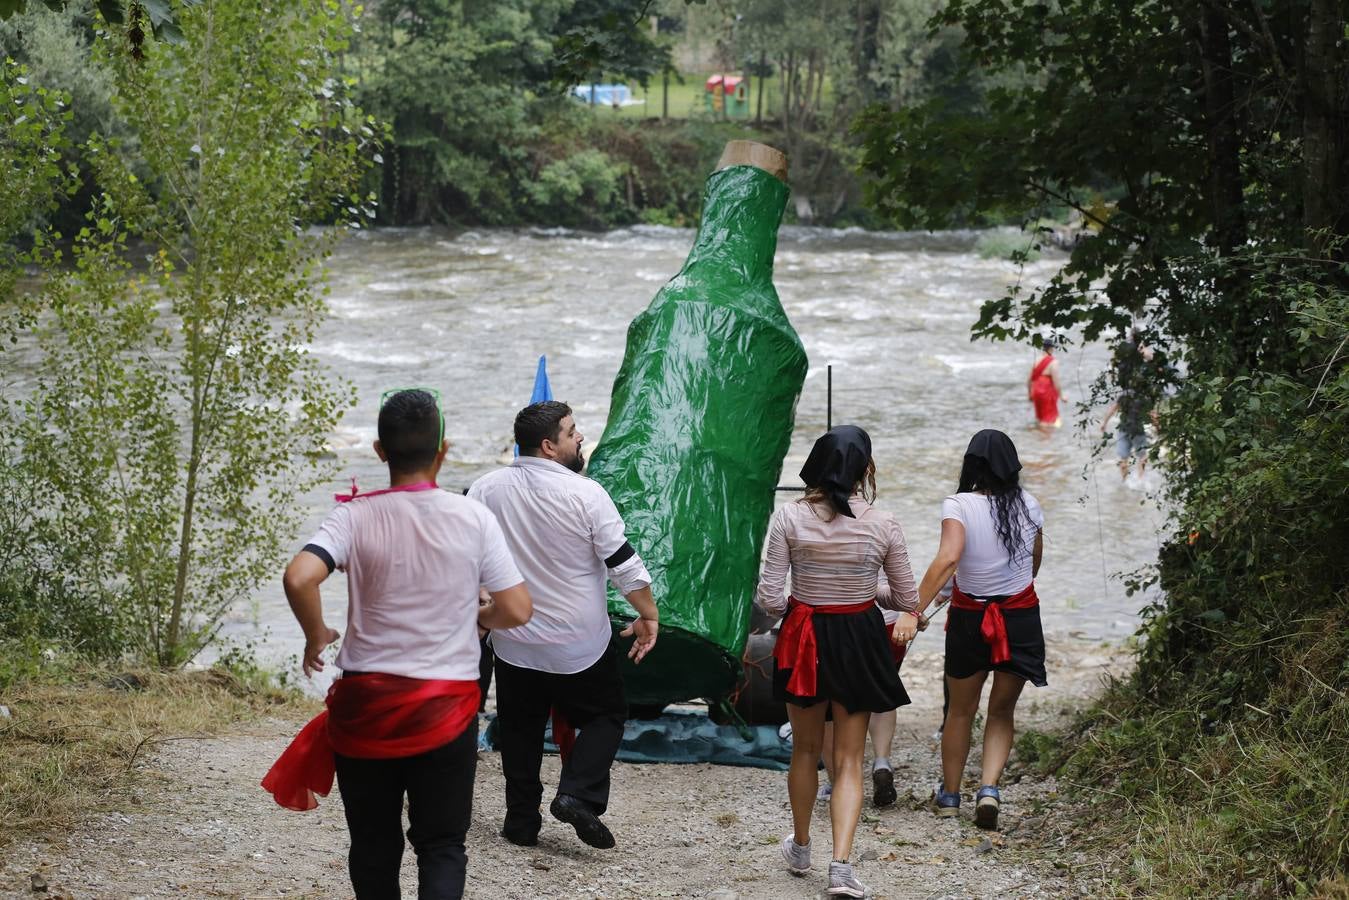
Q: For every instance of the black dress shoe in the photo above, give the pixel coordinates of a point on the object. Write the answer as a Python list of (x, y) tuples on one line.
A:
[(521, 838), (577, 813)]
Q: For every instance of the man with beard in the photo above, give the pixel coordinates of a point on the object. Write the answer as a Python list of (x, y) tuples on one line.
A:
[(565, 534)]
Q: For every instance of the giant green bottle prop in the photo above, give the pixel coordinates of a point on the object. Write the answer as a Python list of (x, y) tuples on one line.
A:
[(699, 423)]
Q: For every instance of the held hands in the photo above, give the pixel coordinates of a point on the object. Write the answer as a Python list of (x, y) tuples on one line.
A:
[(908, 625), (313, 650), (645, 630)]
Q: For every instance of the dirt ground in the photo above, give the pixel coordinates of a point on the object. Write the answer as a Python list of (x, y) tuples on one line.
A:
[(196, 824)]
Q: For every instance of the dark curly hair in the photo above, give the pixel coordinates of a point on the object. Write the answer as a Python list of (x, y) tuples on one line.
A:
[(1008, 506)]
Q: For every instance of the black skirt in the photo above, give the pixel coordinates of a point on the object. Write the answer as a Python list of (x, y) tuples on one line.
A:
[(854, 665), (967, 654)]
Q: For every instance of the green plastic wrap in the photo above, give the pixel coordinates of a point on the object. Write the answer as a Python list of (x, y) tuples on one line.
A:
[(700, 421)]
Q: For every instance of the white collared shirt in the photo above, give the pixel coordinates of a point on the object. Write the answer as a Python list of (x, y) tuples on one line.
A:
[(560, 527)]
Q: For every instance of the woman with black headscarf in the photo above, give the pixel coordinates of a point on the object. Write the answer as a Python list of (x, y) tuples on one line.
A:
[(832, 657), (991, 541)]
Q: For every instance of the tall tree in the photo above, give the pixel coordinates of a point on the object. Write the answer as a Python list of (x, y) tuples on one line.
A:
[(175, 411)]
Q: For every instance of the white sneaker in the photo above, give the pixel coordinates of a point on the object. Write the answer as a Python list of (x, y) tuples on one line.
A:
[(842, 881), (796, 856)]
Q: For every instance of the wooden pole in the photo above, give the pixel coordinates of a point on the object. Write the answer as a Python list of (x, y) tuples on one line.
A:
[(763, 67)]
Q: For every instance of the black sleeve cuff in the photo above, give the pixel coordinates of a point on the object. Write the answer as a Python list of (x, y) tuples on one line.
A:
[(321, 554), (620, 556)]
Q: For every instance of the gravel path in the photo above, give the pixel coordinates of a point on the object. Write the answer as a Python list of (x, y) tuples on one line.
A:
[(196, 824)]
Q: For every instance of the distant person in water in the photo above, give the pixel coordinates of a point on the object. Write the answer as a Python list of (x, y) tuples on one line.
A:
[(832, 657), (1138, 377), (991, 541), (1044, 388)]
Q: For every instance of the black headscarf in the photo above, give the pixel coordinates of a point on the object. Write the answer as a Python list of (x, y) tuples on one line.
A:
[(996, 449), (837, 462)]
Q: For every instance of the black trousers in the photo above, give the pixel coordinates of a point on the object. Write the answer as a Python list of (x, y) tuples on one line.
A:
[(439, 788), (485, 658), (592, 701)]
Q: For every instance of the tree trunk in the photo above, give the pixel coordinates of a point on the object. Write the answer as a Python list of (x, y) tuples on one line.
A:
[(1322, 210), (763, 67), (1224, 142), (665, 95), (868, 28)]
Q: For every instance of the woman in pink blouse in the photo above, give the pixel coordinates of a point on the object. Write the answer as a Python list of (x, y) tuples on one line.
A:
[(832, 657)]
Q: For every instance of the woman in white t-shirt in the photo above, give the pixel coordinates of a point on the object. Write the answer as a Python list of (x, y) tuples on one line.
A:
[(991, 541)]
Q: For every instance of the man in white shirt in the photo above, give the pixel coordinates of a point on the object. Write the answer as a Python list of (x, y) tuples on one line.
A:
[(566, 535), (401, 721)]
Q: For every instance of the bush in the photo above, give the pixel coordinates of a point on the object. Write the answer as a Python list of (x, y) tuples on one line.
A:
[(579, 190), (1232, 736)]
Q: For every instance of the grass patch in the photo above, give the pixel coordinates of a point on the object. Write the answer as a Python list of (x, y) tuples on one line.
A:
[(1192, 798), (72, 739)]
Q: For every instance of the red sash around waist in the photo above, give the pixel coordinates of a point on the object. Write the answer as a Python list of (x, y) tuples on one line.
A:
[(373, 716), (796, 649), (993, 628)]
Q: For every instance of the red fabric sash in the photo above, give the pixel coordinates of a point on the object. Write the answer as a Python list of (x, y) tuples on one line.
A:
[(1040, 367), (373, 716), (993, 628), (564, 735), (796, 649), (401, 489), (897, 648)]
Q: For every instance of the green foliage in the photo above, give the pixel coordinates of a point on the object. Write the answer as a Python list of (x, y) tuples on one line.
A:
[(174, 411), (160, 15), (599, 38), (587, 180), (453, 80), (1225, 253), (55, 46), (32, 131)]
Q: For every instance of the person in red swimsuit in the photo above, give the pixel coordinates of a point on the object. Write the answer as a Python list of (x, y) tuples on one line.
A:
[(1044, 388)]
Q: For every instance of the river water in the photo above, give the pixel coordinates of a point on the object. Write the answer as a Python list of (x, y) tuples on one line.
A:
[(470, 313)]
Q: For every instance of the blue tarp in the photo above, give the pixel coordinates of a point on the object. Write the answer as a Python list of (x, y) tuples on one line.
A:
[(602, 94), (685, 737)]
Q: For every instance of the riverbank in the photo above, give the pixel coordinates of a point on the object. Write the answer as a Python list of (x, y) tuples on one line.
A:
[(187, 818)]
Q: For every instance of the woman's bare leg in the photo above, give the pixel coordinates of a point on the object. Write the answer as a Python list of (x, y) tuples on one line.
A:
[(803, 775), (955, 736), (845, 806), (827, 753), (998, 729)]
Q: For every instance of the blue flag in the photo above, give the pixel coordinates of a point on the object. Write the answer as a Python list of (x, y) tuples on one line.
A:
[(542, 389)]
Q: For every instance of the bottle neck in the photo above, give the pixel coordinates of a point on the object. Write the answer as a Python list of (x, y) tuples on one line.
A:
[(742, 209)]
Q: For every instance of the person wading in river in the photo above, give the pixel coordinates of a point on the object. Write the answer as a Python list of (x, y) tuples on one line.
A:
[(1044, 388), (832, 658), (402, 718), (566, 535), (991, 540)]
